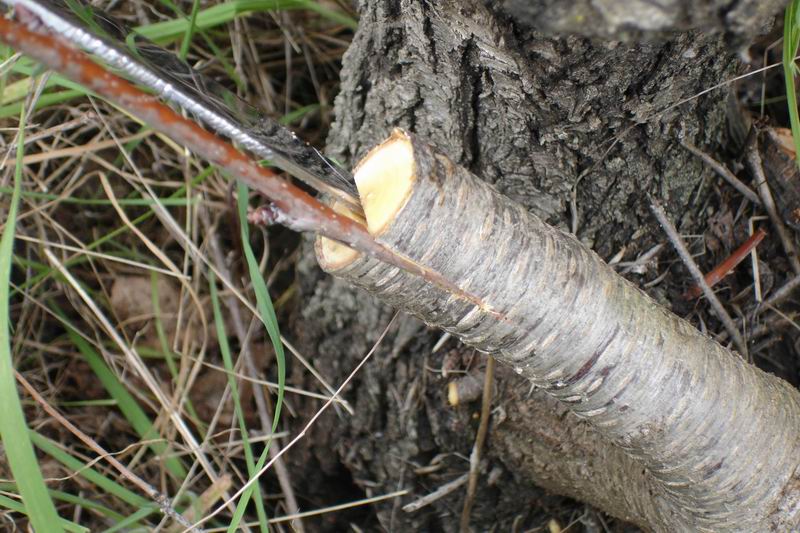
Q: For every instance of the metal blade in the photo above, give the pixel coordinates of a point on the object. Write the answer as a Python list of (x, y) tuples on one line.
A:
[(176, 82)]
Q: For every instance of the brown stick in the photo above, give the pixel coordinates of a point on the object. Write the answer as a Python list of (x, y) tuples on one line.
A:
[(294, 208), (477, 448), (723, 269)]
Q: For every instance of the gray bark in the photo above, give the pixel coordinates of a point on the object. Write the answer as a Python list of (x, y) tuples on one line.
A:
[(530, 114), (630, 19)]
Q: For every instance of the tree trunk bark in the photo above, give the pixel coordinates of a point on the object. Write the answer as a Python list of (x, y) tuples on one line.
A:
[(582, 132)]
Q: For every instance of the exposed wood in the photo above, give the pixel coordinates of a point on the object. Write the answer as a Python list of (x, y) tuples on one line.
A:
[(465, 389), (643, 378)]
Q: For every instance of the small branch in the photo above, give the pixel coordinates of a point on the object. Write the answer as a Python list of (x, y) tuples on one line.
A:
[(293, 207), (480, 438), (784, 292), (724, 173), (714, 438), (723, 269), (686, 257), (438, 494), (754, 159)]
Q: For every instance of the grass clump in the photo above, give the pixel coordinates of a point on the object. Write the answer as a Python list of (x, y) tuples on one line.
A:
[(132, 223)]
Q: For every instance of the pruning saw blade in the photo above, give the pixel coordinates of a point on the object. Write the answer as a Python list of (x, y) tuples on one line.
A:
[(173, 80)]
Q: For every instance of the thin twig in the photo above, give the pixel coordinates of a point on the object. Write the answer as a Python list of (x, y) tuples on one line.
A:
[(784, 292), (642, 260), (754, 159), (686, 257), (754, 261), (62, 128), (162, 501), (107, 257), (438, 494), (719, 272), (723, 172), (294, 208), (339, 507), (477, 448), (71, 151)]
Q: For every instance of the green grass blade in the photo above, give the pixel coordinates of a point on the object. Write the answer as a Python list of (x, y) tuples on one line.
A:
[(791, 39), (13, 428), (104, 402), (263, 301), (169, 355), (245, 497), (187, 37), (227, 360), (16, 506), (47, 99), (125, 202), (86, 504), (216, 51), (155, 301), (126, 523), (101, 482), (269, 319), (163, 32), (297, 114)]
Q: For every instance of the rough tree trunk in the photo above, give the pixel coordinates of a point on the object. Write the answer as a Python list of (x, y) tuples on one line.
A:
[(543, 113)]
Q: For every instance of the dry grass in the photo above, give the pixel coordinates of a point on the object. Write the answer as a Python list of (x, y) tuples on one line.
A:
[(147, 379)]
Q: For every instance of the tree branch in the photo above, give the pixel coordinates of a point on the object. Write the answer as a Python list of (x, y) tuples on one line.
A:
[(293, 207), (720, 438)]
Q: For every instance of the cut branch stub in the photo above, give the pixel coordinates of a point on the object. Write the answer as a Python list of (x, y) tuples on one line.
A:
[(720, 437)]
